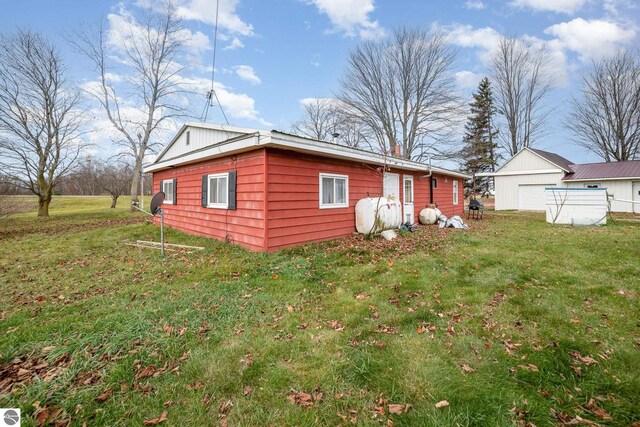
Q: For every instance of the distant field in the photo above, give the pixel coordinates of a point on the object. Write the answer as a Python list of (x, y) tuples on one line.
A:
[(511, 323)]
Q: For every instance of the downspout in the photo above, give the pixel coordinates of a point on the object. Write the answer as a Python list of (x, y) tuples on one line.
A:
[(430, 181)]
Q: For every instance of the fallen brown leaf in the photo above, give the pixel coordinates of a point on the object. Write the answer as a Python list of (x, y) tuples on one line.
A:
[(442, 404), (596, 410), (162, 418), (104, 395), (396, 409), (225, 406)]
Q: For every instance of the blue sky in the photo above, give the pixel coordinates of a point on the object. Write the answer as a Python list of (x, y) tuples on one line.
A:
[(273, 54)]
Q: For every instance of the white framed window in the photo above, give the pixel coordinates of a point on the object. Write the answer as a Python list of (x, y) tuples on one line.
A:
[(435, 182), (168, 190), (218, 191), (455, 192), (334, 191)]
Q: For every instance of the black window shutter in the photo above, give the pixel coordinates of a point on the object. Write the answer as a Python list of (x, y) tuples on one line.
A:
[(205, 183), (175, 191), (232, 190)]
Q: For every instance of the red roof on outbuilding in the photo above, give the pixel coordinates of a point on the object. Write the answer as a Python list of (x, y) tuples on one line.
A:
[(604, 170)]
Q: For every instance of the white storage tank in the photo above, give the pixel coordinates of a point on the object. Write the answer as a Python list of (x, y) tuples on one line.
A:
[(429, 216), (388, 212), (576, 206)]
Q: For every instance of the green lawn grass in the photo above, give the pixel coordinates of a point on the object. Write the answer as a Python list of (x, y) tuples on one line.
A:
[(511, 322)]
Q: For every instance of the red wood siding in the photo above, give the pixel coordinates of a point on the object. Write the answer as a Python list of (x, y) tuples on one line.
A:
[(245, 225), (443, 195), (293, 213)]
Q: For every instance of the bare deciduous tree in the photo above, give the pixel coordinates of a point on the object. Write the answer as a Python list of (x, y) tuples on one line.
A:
[(319, 120), (115, 179), (402, 89), (325, 117), (607, 118), (522, 83), (150, 55), (40, 119)]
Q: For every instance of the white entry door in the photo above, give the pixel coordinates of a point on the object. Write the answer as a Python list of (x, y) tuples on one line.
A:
[(636, 197), (408, 198), (391, 185)]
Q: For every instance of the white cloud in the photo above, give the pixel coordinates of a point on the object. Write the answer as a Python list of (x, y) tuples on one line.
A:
[(558, 6), (591, 38), (351, 17), (475, 5), (123, 29), (196, 42), (485, 39), (556, 68), (621, 9), (205, 11), (236, 43), (312, 101), (246, 72), (235, 105), (467, 79)]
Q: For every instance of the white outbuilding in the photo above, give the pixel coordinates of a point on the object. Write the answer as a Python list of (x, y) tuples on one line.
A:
[(520, 183)]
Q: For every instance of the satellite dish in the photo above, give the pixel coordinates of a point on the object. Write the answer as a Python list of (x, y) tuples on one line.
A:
[(156, 201)]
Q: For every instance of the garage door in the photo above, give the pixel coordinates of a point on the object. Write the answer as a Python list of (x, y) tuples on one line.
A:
[(531, 197)]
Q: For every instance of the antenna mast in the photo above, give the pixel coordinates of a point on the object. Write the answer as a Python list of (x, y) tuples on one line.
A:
[(212, 93)]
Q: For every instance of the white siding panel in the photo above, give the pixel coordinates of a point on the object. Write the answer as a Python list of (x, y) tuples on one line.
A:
[(531, 197), (576, 206), (620, 189), (526, 160), (199, 138), (507, 187)]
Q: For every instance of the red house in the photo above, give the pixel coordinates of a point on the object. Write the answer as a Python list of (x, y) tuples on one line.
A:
[(266, 190)]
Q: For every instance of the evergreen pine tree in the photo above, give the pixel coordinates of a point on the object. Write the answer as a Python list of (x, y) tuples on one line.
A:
[(479, 150)]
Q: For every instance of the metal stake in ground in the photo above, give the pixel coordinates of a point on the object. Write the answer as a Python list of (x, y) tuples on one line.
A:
[(156, 202)]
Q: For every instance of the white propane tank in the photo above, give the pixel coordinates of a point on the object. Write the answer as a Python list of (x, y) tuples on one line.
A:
[(428, 216), (388, 211)]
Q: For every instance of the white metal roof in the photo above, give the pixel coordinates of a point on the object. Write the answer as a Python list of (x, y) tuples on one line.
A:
[(251, 139)]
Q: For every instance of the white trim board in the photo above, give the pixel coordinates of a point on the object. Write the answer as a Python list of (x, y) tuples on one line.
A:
[(527, 172)]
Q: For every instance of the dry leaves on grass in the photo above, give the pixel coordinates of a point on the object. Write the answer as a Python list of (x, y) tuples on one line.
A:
[(510, 347), (386, 329), (47, 416), (104, 395), (22, 370), (442, 404), (587, 360), (397, 409), (362, 249), (498, 298), (304, 399), (152, 422), (467, 368), (529, 367), (568, 420), (597, 410), (335, 325)]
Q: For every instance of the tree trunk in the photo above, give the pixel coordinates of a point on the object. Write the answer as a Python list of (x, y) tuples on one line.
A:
[(135, 184), (43, 204), (114, 200)]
